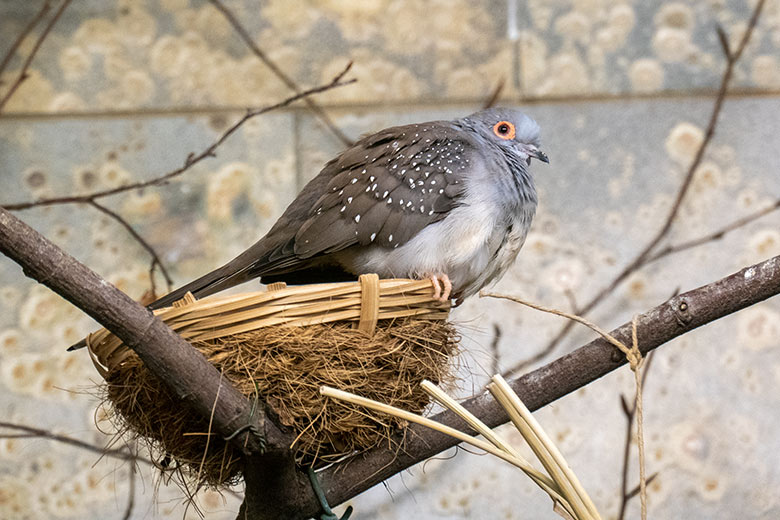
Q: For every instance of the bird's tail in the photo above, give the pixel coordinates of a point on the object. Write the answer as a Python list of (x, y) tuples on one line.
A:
[(235, 272), (225, 277)]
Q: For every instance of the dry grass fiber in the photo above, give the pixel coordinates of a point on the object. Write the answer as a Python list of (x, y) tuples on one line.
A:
[(284, 367)]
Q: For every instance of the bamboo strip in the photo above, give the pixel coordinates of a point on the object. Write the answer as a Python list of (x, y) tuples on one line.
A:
[(369, 303), (481, 428), (411, 417), (544, 449)]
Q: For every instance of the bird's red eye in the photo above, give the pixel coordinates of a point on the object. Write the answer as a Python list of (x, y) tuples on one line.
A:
[(504, 130)]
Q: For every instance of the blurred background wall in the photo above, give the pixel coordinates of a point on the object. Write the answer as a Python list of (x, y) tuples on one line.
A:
[(125, 91)]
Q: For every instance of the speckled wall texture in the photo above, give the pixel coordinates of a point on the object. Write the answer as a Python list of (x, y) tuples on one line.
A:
[(623, 90)]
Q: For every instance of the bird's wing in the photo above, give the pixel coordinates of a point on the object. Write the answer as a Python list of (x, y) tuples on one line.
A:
[(383, 190)]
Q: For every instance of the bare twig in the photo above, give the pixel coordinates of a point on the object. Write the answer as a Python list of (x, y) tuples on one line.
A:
[(132, 458), (714, 235), (22, 35), (569, 294), (644, 255), (495, 361), (130, 492), (493, 99), (23, 73), (724, 40), (32, 432), (634, 492), (287, 80), (191, 159), (156, 261), (92, 198)]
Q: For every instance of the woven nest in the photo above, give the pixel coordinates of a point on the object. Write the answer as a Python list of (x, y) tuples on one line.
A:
[(376, 339)]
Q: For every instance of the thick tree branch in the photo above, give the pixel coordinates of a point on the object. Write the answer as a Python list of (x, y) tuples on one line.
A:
[(182, 368), (292, 498)]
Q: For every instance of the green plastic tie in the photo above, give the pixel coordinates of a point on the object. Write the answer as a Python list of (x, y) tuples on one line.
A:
[(327, 512)]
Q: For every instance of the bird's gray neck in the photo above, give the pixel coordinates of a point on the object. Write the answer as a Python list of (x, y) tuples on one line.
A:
[(520, 182)]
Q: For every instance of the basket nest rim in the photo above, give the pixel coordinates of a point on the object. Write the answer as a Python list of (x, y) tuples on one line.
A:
[(363, 302)]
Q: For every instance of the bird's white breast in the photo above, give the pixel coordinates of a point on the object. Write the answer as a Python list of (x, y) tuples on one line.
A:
[(473, 245)]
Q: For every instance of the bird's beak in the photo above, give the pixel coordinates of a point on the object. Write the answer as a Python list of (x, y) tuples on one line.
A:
[(538, 154)]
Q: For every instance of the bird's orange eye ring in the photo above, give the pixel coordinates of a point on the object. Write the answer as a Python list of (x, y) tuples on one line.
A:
[(504, 130)]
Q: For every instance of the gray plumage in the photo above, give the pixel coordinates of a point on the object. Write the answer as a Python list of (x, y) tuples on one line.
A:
[(439, 198)]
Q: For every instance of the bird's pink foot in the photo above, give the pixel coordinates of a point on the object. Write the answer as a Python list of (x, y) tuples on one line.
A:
[(438, 293)]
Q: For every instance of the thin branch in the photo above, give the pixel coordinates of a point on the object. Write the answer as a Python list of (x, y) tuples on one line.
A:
[(22, 35), (634, 492), (714, 235), (724, 40), (287, 80), (92, 198), (32, 432), (23, 73), (495, 361), (191, 159), (130, 493), (569, 294), (156, 261), (644, 255), (493, 99)]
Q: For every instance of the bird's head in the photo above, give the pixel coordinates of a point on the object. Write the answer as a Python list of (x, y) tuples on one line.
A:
[(511, 130)]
